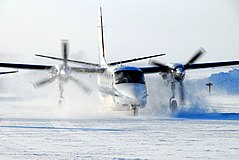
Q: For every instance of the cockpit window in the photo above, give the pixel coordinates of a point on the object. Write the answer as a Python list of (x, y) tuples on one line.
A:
[(129, 77)]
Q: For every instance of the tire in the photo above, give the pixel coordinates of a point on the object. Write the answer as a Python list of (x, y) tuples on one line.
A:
[(173, 106)]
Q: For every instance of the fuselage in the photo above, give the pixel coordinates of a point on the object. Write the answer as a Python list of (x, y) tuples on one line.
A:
[(123, 87)]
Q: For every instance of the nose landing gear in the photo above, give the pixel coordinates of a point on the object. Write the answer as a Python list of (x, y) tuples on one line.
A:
[(173, 106)]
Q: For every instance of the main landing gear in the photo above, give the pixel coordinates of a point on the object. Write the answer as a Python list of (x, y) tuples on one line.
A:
[(173, 106)]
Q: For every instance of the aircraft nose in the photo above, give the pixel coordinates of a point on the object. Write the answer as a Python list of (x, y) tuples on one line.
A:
[(136, 92)]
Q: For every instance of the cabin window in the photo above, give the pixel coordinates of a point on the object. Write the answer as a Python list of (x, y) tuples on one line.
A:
[(129, 77)]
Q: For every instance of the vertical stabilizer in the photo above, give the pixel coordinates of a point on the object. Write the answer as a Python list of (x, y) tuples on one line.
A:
[(101, 41), (65, 50)]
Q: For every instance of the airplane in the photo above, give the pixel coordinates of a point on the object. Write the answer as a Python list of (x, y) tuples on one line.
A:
[(121, 87)]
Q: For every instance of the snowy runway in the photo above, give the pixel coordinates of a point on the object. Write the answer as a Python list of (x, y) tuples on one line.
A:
[(120, 138)]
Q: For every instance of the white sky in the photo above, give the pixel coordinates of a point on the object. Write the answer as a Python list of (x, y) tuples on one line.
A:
[(133, 28)]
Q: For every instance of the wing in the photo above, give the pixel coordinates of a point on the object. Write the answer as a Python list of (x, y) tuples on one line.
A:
[(48, 67), (26, 66), (151, 69), (211, 65), (157, 69), (8, 72)]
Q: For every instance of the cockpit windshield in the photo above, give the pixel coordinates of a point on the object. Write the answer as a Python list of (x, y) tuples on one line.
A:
[(129, 77)]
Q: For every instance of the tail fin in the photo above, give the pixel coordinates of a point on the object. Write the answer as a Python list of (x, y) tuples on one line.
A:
[(65, 53), (101, 41)]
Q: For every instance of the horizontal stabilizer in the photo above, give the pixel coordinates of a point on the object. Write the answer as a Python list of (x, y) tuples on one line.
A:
[(69, 60), (97, 65), (135, 59)]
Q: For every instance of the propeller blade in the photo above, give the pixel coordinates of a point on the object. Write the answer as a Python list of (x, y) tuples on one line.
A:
[(163, 67), (44, 82), (182, 92), (65, 51), (80, 84), (196, 56)]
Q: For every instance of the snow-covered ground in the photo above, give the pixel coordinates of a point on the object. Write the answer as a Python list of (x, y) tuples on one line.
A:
[(206, 128), (120, 138), (191, 134)]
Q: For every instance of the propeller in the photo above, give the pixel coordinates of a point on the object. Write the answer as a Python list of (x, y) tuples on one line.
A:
[(63, 73), (44, 82), (80, 84), (163, 67), (196, 56), (178, 70)]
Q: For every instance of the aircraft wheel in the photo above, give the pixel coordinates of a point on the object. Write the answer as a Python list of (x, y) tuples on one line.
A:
[(173, 106)]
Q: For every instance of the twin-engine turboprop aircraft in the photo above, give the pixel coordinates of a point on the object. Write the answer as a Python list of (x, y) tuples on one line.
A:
[(121, 87)]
